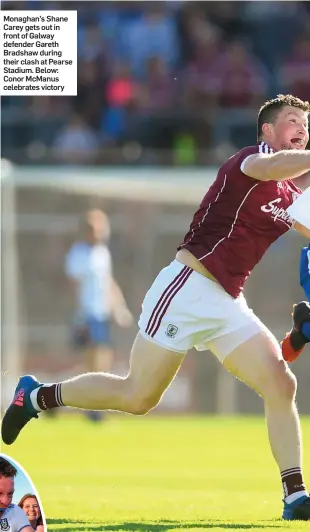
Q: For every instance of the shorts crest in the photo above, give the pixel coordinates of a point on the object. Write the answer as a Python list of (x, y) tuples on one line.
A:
[(171, 330)]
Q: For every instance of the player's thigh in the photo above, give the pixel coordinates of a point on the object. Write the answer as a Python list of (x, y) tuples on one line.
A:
[(152, 367), (258, 363)]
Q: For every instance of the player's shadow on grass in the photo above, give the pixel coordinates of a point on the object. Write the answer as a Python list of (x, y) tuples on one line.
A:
[(159, 526)]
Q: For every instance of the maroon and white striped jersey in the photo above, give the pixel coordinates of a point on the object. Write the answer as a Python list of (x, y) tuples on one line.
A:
[(237, 221)]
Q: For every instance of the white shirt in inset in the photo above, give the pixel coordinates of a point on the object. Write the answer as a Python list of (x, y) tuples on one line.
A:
[(13, 519)]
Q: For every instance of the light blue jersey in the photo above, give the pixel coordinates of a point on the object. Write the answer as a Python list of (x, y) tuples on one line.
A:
[(92, 267), (13, 519)]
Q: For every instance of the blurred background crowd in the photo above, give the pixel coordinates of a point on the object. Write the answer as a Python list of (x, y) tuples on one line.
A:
[(163, 83)]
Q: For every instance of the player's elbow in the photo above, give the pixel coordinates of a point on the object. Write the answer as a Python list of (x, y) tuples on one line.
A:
[(259, 167)]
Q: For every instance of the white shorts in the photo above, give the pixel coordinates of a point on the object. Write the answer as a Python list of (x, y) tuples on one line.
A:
[(184, 309)]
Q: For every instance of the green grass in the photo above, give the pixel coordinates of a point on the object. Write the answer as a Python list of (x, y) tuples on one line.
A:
[(155, 474)]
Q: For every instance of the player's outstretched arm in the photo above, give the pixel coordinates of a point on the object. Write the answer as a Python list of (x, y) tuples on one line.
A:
[(285, 164), (120, 311), (302, 229), (288, 351), (295, 341)]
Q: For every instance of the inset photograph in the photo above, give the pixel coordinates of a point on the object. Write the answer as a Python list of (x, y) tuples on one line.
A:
[(20, 506)]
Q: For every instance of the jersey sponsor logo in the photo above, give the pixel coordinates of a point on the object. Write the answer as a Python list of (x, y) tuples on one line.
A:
[(277, 212), (171, 330), (4, 525)]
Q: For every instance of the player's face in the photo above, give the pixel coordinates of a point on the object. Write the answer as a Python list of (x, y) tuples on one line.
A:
[(97, 232), (290, 131), (6, 491), (31, 508)]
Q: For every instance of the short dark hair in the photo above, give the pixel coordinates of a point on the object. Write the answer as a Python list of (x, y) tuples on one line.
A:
[(270, 109), (7, 469)]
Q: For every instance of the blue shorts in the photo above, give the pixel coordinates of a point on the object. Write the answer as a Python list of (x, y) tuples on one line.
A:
[(94, 332)]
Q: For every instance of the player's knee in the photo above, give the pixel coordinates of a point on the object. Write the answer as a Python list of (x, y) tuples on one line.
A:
[(139, 398), (281, 383), (141, 405)]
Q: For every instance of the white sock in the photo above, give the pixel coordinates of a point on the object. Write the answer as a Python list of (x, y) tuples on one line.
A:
[(294, 496), (33, 399)]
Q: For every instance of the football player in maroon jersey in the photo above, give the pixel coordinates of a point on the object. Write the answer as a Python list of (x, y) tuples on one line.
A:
[(197, 301)]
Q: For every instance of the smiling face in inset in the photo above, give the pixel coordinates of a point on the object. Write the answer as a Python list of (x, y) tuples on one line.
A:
[(289, 131), (31, 508), (6, 491)]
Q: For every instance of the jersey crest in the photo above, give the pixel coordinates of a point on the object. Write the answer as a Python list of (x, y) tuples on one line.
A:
[(4, 525)]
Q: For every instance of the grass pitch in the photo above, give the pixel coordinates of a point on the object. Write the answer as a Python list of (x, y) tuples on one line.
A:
[(155, 474)]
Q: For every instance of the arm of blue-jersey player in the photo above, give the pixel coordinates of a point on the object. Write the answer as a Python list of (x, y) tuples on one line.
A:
[(295, 341), (305, 283)]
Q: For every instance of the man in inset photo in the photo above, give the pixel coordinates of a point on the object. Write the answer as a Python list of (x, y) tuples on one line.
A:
[(12, 518)]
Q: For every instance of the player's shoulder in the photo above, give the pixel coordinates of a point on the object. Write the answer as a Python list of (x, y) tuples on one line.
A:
[(234, 165), (16, 510), (260, 147), (78, 247)]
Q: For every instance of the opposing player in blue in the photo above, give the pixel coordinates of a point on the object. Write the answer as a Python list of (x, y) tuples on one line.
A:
[(295, 341)]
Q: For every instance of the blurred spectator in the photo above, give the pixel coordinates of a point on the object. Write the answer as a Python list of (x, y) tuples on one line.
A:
[(228, 18), (153, 34), (196, 28), (76, 143), (121, 94), (92, 79), (273, 28), (242, 83), (241, 79), (200, 87), (159, 94), (97, 298), (91, 43), (295, 72), (121, 87)]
